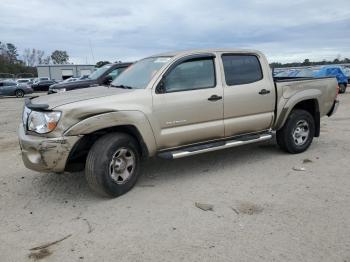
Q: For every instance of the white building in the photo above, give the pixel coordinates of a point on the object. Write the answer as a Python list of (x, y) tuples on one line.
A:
[(61, 72)]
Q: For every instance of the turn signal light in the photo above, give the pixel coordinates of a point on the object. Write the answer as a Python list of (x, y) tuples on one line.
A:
[(337, 91)]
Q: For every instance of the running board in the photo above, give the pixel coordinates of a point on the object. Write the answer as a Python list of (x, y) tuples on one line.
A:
[(204, 148)]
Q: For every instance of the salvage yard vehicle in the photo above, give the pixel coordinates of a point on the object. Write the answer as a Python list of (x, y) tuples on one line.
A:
[(102, 76), (172, 105), (23, 81), (43, 85), (334, 71), (11, 88)]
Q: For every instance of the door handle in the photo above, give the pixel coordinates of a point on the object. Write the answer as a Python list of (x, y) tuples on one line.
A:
[(215, 98), (264, 92)]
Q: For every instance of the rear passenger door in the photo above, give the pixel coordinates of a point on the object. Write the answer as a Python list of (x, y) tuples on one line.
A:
[(249, 96)]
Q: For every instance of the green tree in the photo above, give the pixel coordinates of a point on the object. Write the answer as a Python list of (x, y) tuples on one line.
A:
[(12, 52), (60, 57), (306, 62)]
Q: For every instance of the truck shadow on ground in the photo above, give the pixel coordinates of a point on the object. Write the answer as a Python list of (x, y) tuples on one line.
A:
[(156, 171)]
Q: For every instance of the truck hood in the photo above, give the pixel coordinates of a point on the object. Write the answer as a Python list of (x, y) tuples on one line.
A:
[(64, 98)]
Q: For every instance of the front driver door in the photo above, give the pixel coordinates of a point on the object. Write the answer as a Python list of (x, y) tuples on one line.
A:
[(8, 88), (188, 103)]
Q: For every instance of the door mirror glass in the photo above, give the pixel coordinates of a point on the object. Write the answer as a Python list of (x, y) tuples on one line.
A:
[(161, 87)]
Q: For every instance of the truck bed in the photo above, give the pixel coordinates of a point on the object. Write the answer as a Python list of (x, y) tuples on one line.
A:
[(291, 90)]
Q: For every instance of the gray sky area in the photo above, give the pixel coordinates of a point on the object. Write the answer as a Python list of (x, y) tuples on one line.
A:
[(128, 30)]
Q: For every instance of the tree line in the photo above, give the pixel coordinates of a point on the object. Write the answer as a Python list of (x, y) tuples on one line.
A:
[(307, 62), (13, 63)]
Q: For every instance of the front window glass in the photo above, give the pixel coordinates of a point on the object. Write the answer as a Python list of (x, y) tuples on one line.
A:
[(96, 74), (10, 84), (141, 73), (191, 75)]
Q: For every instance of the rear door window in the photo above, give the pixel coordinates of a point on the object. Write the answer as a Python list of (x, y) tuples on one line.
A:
[(241, 69), (10, 84)]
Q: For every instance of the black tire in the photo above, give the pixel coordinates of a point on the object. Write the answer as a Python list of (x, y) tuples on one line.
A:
[(342, 89), (19, 93), (297, 119), (99, 165)]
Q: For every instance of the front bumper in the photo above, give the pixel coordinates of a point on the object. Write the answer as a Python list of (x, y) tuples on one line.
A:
[(44, 154)]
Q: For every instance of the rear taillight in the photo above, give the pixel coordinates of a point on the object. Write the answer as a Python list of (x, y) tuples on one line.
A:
[(337, 91)]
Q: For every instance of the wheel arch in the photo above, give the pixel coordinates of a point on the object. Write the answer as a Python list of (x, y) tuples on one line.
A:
[(133, 123), (310, 105)]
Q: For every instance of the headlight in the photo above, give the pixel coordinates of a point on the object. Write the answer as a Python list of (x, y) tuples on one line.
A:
[(59, 90), (43, 122), (26, 112)]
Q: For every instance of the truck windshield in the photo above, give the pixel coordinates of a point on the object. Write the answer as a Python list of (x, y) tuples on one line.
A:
[(138, 75), (96, 74)]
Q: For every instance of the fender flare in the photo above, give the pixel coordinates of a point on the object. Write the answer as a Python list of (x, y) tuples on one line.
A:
[(311, 94), (102, 121)]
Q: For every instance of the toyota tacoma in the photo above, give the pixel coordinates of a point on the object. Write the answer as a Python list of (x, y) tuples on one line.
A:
[(172, 105)]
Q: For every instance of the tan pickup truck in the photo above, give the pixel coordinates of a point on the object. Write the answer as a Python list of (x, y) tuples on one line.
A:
[(171, 105)]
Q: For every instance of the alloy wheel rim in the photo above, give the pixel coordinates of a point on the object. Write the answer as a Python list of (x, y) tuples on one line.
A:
[(122, 165), (301, 132)]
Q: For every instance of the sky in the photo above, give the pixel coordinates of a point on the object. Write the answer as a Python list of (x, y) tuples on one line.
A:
[(90, 31)]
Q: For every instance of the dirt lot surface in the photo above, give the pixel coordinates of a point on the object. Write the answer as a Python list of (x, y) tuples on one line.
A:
[(259, 206)]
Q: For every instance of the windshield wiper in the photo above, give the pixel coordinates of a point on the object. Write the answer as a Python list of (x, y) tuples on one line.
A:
[(122, 86)]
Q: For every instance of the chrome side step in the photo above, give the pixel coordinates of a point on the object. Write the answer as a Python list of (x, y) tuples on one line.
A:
[(204, 148)]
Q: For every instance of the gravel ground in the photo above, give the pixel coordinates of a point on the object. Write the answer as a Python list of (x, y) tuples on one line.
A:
[(262, 209)]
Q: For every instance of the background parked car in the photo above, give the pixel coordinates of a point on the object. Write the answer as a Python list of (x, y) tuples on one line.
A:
[(102, 76), (23, 81), (43, 85), (337, 72), (71, 79), (303, 72), (347, 72), (35, 80), (11, 88)]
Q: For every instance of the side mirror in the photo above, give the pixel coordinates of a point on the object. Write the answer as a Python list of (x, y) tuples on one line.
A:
[(107, 80), (160, 89)]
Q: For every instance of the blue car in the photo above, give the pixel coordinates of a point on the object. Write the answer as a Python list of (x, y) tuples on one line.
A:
[(337, 72), (11, 88)]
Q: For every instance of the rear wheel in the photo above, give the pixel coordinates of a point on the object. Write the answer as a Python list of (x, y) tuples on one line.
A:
[(112, 165), (342, 88), (297, 133), (19, 93)]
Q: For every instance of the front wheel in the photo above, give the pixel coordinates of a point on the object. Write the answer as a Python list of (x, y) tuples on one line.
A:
[(297, 133), (19, 93), (112, 165)]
